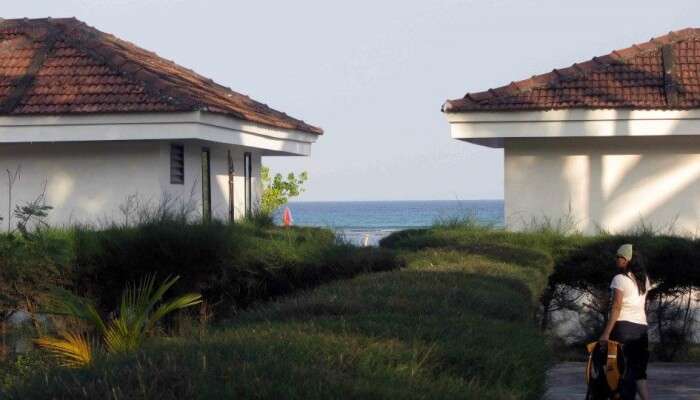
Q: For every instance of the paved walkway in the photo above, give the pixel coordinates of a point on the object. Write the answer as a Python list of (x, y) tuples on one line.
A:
[(672, 381)]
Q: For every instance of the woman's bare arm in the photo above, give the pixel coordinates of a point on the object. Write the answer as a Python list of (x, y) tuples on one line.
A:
[(614, 315)]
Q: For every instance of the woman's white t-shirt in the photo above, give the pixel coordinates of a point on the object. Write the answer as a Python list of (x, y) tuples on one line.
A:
[(632, 302)]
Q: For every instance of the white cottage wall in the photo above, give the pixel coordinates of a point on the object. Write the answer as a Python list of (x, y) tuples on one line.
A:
[(84, 182), (220, 180), (190, 193), (94, 182), (612, 183)]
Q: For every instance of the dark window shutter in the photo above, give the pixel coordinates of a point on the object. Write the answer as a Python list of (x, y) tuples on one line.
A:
[(177, 164)]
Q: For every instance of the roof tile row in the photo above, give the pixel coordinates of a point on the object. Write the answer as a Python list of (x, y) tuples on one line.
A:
[(634, 77)]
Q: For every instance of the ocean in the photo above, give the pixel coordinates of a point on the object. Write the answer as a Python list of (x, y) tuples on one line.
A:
[(370, 221)]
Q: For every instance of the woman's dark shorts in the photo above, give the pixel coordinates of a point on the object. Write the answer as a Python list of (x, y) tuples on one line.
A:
[(635, 347)]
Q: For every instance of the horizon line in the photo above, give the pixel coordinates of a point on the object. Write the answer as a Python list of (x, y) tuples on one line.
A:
[(395, 201)]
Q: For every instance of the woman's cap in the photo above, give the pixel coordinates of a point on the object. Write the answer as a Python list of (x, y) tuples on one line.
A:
[(625, 251)]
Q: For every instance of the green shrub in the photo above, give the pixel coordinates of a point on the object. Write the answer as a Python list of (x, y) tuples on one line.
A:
[(30, 266), (15, 371), (670, 261), (107, 260)]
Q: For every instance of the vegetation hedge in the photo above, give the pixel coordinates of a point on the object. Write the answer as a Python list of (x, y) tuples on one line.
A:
[(582, 276), (454, 324), (671, 261), (232, 265)]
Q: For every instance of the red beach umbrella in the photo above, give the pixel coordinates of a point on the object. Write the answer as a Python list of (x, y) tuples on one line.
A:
[(287, 219)]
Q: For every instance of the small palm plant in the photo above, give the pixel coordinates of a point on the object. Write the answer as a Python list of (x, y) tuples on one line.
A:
[(140, 310)]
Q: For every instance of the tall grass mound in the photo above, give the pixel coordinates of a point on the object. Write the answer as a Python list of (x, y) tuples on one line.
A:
[(454, 324), (231, 265), (577, 290)]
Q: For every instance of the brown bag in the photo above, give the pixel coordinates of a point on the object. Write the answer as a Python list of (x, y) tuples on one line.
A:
[(604, 370)]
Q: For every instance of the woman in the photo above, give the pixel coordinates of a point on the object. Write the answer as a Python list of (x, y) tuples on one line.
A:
[(628, 322)]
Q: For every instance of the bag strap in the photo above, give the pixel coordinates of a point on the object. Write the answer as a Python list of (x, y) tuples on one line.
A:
[(590, 347), (612, 371)]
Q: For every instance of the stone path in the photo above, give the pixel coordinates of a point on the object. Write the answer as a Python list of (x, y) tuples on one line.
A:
[(672, 381)]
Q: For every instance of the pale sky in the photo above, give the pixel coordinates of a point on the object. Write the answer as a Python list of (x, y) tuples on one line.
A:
[(374, 73)]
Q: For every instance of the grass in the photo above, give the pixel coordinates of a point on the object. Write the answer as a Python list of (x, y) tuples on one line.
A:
[(466, 235), (457, 322)]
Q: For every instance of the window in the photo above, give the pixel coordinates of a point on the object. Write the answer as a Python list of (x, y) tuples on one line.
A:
[(177, 164), (206, 184), (248, 171)]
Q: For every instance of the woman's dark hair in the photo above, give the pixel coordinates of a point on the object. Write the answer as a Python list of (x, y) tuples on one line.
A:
[(637, 268)]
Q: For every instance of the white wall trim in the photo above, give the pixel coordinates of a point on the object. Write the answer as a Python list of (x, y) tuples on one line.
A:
[(155, 126), (490, 128)]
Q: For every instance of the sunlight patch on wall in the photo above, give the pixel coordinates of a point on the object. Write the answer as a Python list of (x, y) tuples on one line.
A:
[(615, 168), (59, 189), (93, 205), (575, 173), (652, 193)]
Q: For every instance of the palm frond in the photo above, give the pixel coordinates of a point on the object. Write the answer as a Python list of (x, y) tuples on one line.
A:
[(158, 294), (137, 296), (140, 300), (184, 301), (71, 349), (126, 332), (136, 317), (120, 338), (63, 302)]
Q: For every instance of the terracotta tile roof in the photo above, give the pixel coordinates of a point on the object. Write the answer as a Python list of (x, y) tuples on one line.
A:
[(63, 66), (663, 73)]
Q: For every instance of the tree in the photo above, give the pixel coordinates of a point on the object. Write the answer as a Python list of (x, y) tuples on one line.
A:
[(277, 190)]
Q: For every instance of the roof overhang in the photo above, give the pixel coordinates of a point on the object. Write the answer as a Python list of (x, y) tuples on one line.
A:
[(206, 126), (492, 128)]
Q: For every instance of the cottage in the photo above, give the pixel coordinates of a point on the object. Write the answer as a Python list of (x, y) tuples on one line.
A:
[(608, 144), (93, 122)]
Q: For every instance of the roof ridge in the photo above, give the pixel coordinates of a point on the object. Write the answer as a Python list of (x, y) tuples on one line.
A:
[(30, 26), (89, 33), (171, 87), (22, 84), (578, 70), (205, 80)]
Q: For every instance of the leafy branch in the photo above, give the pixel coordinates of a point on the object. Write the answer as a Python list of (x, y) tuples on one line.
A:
[(277, 190)]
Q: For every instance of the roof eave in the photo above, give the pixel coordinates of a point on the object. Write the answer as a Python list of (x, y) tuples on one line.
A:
[(493, 127)]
